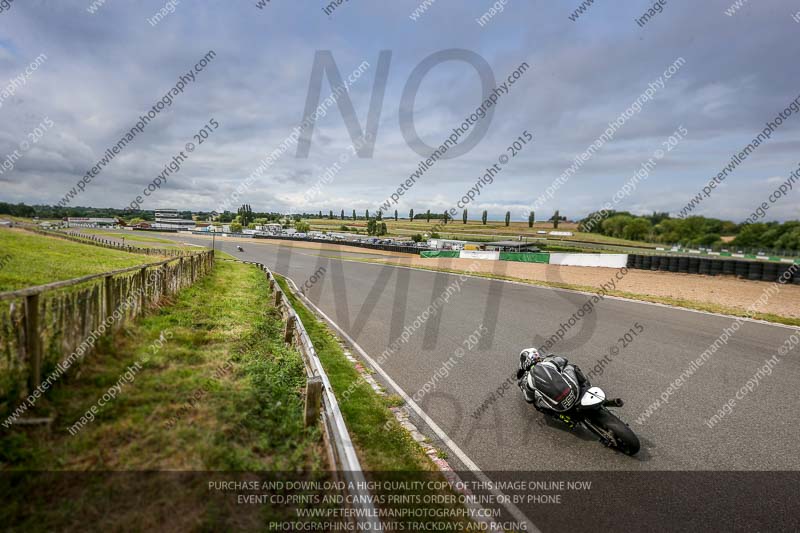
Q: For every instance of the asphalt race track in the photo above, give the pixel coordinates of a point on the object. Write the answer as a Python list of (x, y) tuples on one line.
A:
[(373, 304)]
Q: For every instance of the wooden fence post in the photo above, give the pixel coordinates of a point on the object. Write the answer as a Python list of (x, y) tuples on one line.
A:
[(288, 333), (313, 400), (278, 299), (108, 289), (143, 286), (33, 342)]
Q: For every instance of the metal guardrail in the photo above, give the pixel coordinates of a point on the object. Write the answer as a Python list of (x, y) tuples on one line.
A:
[(321, 402)]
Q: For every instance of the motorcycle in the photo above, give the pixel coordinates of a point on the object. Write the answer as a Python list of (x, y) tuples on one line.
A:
[(240, 248), (587, 406)]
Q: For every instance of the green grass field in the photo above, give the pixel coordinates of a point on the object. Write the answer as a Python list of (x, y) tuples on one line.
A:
[(29, 259), (130, 236), (218, 390)]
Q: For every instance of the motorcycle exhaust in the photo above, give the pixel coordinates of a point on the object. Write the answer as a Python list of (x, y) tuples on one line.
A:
[(616, 402)]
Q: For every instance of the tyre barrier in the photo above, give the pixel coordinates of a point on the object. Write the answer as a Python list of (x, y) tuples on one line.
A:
[(769, 272), (683, 265), (655, 262), (789, 273), (728, 268), (755, 271), (673, 263), (752, 270), (741, 269)]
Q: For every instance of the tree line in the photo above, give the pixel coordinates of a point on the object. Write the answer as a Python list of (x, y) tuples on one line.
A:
[(693, 231)]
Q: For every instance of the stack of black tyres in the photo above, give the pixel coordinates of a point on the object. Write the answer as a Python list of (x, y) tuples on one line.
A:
[(741, 269), (637, 261), (694, 265), (683, 264), (770, 272), (728, 267), (705, 267), (646, 262), (664, 264), (655, 262), (673, 263), (716, 267), (755, 271)]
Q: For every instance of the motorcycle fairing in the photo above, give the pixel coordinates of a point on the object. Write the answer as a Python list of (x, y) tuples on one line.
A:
[(559, 390)]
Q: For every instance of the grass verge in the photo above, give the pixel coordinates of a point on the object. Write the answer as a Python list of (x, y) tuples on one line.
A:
[(129, 236), (31, 259), (386, 450), (217, 390)]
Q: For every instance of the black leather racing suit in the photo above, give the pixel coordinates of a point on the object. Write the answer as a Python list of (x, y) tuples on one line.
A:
[(554, 378)]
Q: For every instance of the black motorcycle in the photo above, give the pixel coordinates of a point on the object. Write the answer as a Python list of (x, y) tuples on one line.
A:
[(572, 405), (240, 248)]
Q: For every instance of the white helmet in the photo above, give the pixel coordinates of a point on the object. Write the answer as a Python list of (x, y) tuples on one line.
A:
[(530, 354)]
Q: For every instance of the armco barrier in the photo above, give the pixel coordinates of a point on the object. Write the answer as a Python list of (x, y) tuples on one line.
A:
[(320, 400)]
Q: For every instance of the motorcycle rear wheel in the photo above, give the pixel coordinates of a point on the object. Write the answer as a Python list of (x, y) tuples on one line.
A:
[(614, 432)]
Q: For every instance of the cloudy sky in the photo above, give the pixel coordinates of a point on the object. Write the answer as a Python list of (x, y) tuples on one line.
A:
[(105, 69)]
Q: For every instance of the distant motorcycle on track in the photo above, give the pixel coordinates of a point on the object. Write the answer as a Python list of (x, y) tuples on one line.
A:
[(240, 248)]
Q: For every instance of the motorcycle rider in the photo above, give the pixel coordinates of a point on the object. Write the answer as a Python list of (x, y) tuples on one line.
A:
[(550, 383)]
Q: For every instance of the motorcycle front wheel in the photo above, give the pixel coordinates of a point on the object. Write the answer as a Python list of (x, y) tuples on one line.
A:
[(614, 432)]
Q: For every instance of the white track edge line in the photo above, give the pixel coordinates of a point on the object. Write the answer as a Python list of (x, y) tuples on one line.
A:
[(578, 291), (463, 457)]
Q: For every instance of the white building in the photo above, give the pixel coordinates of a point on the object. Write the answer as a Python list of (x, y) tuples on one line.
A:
[(270, 228), (446, 244), (169, 219)]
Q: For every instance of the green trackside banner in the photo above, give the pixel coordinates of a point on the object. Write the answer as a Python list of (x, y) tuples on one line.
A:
[(439, 253), (525, 257)]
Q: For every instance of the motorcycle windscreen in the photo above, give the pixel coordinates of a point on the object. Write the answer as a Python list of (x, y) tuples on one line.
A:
[(559, 392)]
